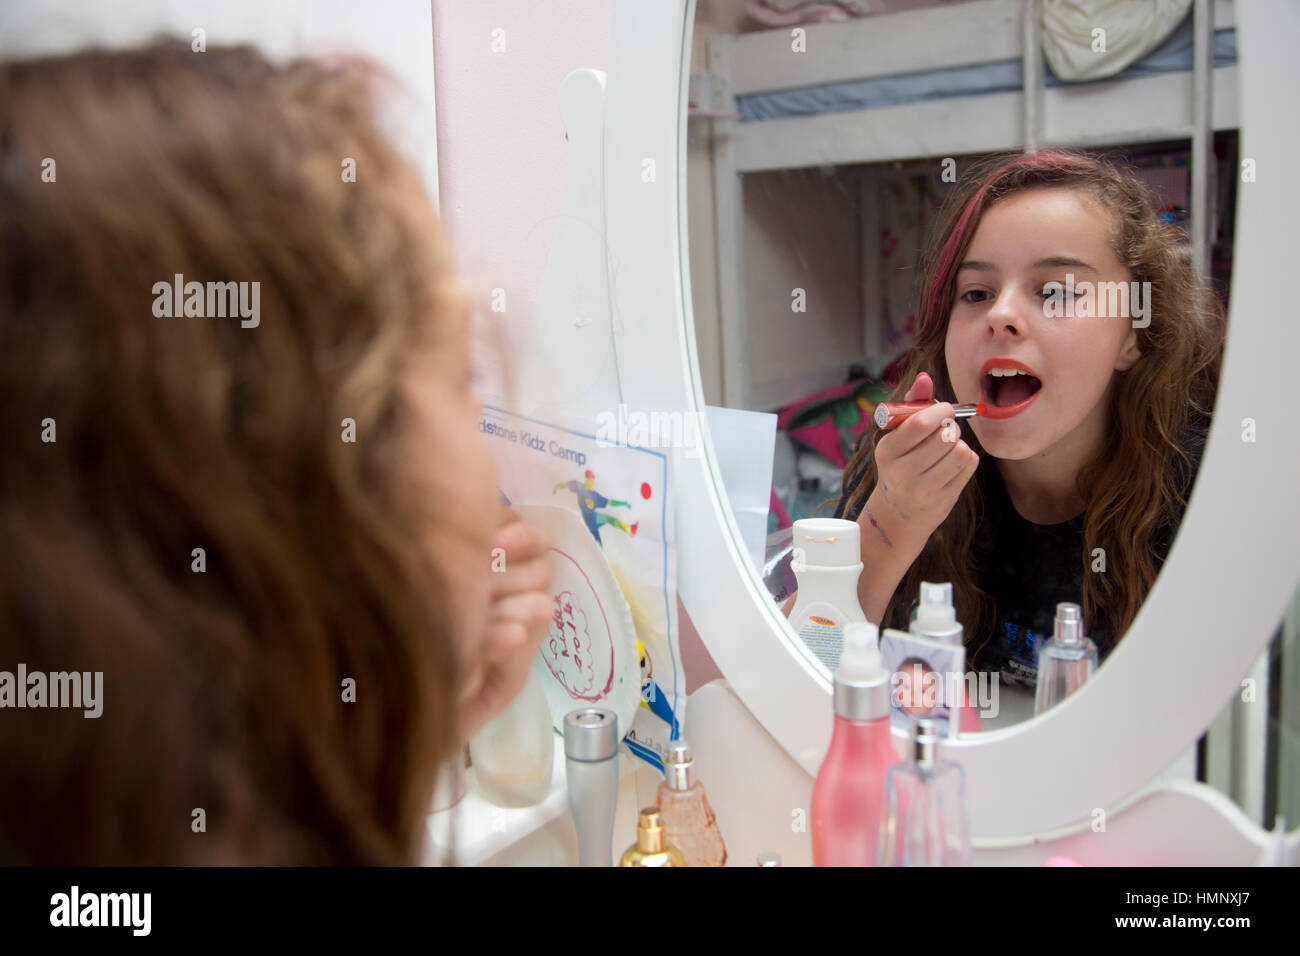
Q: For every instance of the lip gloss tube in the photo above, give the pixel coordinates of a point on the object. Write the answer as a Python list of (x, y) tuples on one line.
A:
[(892, 414)]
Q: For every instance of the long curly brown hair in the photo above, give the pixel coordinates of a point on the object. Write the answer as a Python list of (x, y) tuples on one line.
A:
[(1134, 488), (224, 689)]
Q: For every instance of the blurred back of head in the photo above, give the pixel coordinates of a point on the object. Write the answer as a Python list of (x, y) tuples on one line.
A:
[(177, 509)]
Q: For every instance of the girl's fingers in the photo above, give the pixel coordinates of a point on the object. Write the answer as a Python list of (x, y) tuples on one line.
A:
[(922, 389), (948, 458), (530, 608), (921, 440), (521, 541), (967, 460), (922, 492), (506, 637), (518, 576)]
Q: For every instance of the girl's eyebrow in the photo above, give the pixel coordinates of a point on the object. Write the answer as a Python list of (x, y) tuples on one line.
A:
[(1050, 262)]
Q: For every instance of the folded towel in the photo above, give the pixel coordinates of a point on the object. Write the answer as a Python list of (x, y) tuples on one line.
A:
[(1129, 31)]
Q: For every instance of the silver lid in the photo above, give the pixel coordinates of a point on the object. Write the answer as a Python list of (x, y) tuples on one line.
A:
[(769, 859), (590, 734), (925, 741), (862, 700), (679, 769), (881, 416), (1067, 629)]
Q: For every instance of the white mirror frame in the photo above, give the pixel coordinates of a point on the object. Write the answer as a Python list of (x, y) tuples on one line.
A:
[(1236, 559)]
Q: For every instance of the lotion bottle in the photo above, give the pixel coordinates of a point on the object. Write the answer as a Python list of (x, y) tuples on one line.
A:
[(848, 792), (689, 821), (514, 753), (937, 618), (827, 561)]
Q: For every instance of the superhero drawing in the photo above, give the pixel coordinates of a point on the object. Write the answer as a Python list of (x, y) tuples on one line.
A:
[(591, 505)]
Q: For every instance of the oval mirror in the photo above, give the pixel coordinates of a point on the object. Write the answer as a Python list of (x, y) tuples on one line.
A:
[(773, 258)]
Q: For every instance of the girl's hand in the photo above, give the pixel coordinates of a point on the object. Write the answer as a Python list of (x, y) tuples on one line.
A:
[(923, 464), (518, 615)]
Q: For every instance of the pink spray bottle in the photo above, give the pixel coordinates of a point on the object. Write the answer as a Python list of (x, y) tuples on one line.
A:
[(848, 793)]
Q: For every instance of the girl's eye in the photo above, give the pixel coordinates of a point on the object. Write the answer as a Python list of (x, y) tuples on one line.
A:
[(1057, 292), (966, 296)]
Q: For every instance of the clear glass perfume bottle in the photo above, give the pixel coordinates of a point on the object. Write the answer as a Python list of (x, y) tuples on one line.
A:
[(688, 819), (925, 821), (514, 753), (1067, 661)]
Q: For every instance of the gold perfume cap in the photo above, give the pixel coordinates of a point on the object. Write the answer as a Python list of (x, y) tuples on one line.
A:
[(650, 831), (652, 847)]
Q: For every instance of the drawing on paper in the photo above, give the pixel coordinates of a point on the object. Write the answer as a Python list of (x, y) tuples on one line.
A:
[(579, 648), (591, 504)]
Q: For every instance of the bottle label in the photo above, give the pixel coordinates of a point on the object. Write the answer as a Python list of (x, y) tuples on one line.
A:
[(825, 638)]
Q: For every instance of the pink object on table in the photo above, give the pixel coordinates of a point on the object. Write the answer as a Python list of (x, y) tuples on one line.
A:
[(1061, 861), (848, 795), (969, 721)]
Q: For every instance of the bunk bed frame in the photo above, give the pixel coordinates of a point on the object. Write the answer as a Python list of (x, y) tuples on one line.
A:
[(1131, 110)]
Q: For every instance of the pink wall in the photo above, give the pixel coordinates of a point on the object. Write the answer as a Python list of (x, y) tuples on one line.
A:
[(502, 156), (501, 149)]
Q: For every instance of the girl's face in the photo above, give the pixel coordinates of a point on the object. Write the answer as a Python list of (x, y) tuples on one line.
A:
[(1001, 319), (458, 477)]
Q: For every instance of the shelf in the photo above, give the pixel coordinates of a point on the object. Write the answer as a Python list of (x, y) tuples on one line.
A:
[(480, 831)]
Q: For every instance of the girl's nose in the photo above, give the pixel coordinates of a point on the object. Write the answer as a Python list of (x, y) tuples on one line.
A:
[(1007, 313)]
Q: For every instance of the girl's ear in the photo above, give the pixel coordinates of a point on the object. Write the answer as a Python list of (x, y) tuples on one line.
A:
[(1129, 354)]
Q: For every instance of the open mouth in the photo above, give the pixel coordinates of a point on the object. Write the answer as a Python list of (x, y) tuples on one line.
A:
[(1007, 387), (1010, 389)]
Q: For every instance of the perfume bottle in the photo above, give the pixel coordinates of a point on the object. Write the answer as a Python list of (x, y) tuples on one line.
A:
[(1066, 661), (689, 821), (925, 822), (591, 769), (651, 847), (514, 753), (848, 792), (937, 618)]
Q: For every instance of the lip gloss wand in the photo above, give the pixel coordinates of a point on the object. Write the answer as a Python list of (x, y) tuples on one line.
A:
[(890, 415)]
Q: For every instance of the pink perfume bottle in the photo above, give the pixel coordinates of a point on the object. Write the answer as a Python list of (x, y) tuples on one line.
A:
[(689, 822), (848, 793)]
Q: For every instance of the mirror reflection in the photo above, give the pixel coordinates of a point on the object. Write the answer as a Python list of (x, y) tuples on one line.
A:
[(996, 364)]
